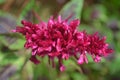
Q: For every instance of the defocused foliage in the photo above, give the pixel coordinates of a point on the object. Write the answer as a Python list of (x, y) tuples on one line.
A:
[(96, 16)]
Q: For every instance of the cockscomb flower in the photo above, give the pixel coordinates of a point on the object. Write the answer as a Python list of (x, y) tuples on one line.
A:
[(59, 39), (98, 47)]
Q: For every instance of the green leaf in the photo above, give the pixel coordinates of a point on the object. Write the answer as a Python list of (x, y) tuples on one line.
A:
[(78, 76), (74, 7), (115, 65), (2, 1), (7, 58), (19, 44), (86, 27), (28, 7)]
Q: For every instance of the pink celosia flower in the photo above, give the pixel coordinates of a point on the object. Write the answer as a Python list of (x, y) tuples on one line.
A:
[(60, 39), (98, 47)]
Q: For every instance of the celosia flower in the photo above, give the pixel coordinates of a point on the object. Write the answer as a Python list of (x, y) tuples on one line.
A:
[(98, 47), (60, 39)]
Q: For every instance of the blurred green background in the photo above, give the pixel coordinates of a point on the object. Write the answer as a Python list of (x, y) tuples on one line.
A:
[(101, 16)]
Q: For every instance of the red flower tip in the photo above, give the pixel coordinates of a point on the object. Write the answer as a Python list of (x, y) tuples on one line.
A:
[(34, 60), (62, 68)]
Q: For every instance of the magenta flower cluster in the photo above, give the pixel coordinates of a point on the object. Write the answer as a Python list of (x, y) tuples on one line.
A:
[(60, 39)]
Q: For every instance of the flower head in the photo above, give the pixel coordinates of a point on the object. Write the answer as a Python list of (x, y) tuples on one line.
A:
[(60, 39), (98, 47)]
